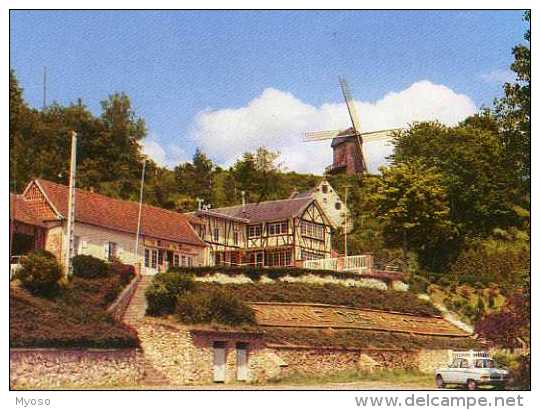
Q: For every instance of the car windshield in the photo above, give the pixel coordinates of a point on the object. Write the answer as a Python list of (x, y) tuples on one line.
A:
[(485, 363)]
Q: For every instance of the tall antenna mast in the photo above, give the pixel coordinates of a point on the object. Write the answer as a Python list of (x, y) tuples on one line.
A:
[(44, 87), (71, 205), (139, 216)]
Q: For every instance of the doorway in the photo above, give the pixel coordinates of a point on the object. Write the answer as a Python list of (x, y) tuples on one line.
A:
[(241, 361), (219, 362)]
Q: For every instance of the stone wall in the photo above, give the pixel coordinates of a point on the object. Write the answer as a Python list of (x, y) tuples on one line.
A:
[(66, 368), (186, 357), (429, 360)]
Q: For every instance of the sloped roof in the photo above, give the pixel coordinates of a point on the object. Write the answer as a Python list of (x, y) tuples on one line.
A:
[(305, 194), (21, 212), (266, 211), (100, 210), (345, 135)]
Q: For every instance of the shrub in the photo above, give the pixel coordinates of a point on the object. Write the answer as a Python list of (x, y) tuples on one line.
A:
[(86, 266), (161, 295), (40, 273), (193, 307), (230, 310), (215, 306), (159, 300), (126, 272)]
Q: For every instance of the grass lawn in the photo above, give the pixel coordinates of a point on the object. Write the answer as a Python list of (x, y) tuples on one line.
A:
[(394, 377)]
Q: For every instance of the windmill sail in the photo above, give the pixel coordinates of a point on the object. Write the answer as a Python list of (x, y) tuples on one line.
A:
[(354, 119)]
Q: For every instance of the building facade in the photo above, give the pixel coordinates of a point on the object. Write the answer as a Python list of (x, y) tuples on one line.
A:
[(265, 234), (329, 200), (106, 228)]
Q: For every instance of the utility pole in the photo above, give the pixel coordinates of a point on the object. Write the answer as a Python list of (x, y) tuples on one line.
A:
[(71, 205), (44, 87), (346, 224), (139, 217)]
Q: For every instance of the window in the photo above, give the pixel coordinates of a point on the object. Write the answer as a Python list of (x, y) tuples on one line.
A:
[(236, 237), (310, 255), (313, 230), (338, 205), (147, 258), (154, 259), (176, 260), (215, 234), (76, 243), (189, 261), (278, 228), (111, 254), (324, 189), (278, 258), (254, 231), (184, 260)]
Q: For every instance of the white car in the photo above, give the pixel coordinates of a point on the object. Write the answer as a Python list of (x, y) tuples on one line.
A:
[(471, 371)]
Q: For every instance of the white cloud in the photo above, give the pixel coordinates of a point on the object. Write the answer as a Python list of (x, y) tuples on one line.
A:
[(169, 157), (277, 119), (498, 76)]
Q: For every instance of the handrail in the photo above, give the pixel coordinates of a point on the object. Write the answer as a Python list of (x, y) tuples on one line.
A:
[(118, 307), (354, 263)]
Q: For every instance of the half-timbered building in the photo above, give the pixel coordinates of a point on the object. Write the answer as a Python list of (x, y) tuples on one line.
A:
[(271, 233)]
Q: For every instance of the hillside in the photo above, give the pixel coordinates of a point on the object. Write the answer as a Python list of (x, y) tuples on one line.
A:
[(75, 318)]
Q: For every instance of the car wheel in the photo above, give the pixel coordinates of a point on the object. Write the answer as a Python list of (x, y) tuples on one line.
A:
[(471, 384), (440, 382)]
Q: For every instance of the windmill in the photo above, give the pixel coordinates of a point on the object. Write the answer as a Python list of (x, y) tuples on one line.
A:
[(347, 144)]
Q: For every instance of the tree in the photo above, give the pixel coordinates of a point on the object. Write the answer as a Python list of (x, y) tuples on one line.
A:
[(481, 194), (411, 201), (513, 112)]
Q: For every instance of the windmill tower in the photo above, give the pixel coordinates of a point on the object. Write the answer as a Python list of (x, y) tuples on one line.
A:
[(347, 144)]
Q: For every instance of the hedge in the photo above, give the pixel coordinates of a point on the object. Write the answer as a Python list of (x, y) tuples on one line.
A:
[(255, 273)]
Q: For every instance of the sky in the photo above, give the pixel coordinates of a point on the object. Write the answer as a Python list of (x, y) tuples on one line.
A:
[(229, 82)]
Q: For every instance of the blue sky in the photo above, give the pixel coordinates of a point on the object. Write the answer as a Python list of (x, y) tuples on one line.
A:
[(228, 81)]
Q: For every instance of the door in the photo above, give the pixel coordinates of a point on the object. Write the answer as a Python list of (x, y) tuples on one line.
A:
[(219, 362), (241, 362), (259, 259)]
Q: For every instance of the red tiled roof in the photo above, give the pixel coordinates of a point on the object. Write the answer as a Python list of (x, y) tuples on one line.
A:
[(265, 211), (100, 210), (21, 212)]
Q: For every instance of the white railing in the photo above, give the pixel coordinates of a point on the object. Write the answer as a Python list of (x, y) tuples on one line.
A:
[(355, 263)]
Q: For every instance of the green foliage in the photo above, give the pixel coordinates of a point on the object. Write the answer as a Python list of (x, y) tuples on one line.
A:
[(40, 273), (483, 264), (87, 266), (411, 202), (216, 306), (513, 113), (161, 295)]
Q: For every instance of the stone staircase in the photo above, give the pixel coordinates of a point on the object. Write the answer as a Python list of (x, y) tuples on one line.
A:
[(133, 316), (137, 305)]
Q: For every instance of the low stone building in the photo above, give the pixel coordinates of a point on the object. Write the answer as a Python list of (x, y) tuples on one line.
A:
[(312, 339), (104, 227)]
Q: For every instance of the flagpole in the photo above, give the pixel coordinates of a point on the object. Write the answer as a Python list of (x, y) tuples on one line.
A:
[(139, 217), (71, 205)]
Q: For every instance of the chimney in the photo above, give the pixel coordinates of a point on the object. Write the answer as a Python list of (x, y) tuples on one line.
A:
[(243, 202)]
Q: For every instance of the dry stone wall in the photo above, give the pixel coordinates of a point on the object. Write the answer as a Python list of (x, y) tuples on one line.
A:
[(66, 368)]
